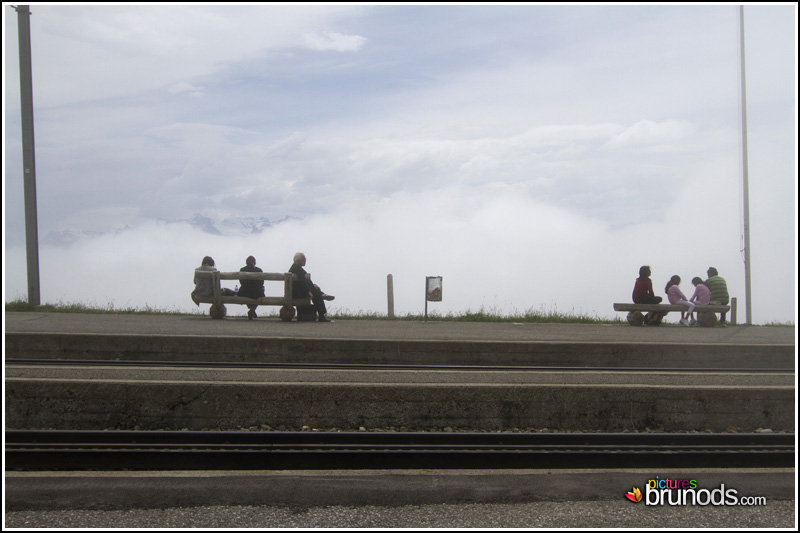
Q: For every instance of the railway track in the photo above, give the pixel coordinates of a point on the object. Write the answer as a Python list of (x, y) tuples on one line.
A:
[(217, 450), (380, 367)]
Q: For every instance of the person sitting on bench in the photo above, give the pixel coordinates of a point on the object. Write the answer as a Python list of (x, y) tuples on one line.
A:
[(203, 286), (701, 296), (643, 294), (304, 288), (251, 288), (719, 290), (643, 288), (676, 297)]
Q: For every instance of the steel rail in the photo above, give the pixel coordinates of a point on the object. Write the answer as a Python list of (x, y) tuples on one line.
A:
[(218, 450), (381, 367)]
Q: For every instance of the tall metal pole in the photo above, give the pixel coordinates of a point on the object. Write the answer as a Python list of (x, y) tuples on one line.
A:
[(28, 155), (745, 186)]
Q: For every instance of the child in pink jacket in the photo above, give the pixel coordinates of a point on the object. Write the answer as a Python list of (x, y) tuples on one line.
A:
[(701, 296), (675, 296)]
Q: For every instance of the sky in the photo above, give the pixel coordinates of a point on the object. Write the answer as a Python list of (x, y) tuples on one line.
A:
[(534, 156)]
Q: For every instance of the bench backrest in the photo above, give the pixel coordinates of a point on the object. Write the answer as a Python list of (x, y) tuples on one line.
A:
[(217, 276)]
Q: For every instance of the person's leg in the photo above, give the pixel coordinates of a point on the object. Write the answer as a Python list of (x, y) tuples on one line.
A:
[(318, 299), (721, 315), (688, 304), (648, 300)]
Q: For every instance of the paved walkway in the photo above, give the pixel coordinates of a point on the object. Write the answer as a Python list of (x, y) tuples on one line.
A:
[(392, 329), (605, 514), (585, 514)]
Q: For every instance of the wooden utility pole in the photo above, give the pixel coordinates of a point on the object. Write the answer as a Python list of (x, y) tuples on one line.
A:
[(28, 155)]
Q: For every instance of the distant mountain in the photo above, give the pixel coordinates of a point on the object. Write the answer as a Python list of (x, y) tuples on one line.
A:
[(229, 226), (71, 236)]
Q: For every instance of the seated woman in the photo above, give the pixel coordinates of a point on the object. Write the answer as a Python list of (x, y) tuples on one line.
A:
[(203, 285), (643, 289), (643, 294), (676, 297)]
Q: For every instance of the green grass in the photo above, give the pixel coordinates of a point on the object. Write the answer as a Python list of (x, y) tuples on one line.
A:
[(482, 315), (781, 324), (20, 306)]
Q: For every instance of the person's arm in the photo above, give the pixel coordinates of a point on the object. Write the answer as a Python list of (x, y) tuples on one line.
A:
[(298, 271), (650, 287)]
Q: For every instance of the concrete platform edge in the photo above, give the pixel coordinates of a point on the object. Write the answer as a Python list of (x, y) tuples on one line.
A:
[(152, 490)]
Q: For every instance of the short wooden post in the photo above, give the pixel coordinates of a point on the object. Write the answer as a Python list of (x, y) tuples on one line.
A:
[(390, 294), (426, 299), (287, 288), (733, 311), (217, 310), (217, 291), (287, 311)]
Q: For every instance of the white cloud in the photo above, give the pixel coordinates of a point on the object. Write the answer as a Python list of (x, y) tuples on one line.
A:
[(495, 248), (336, 42), (185, 87), (648, 132), (83, 53)]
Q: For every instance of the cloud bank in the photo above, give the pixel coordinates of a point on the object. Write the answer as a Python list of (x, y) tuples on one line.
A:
[(495, 249), (534, 156)]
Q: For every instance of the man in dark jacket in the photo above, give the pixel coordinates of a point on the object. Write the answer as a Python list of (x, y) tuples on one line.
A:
[(304, 288), (251, 288)]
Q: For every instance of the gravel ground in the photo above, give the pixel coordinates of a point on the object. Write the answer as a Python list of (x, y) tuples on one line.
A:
[(607, 514)]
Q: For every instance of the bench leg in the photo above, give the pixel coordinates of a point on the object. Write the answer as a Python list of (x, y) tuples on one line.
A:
[(217, 311), (635, 318), (707, 320), (286, 313)]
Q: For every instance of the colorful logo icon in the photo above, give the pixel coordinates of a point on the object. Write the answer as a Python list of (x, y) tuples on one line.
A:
[(635, 496)]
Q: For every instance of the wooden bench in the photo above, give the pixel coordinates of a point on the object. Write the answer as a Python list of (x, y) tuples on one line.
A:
[(706, 313), (218, 301)]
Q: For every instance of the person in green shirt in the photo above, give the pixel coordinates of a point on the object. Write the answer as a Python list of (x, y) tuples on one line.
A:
[(719, 290)]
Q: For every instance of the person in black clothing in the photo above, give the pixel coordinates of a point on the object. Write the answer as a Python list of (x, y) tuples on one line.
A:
[(251, 288), (304, 288)]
